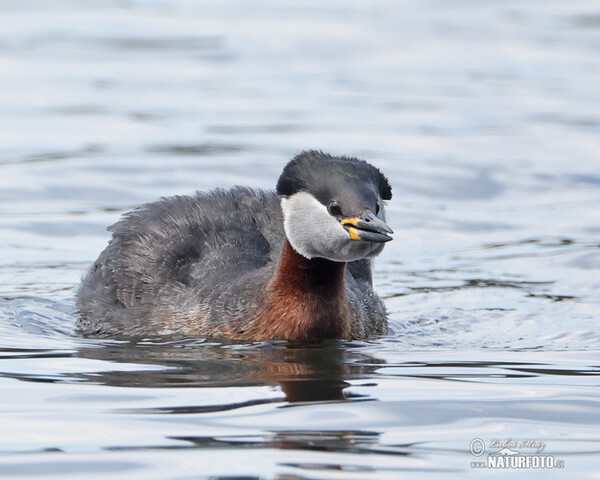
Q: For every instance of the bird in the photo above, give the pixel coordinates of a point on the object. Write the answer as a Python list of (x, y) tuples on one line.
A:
[(248, 264)]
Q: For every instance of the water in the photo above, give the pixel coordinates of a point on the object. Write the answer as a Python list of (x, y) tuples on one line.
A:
[(485, 116)]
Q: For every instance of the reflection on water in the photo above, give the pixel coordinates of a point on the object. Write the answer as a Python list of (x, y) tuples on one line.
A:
[(335, 406), (483, 115), (304, 374)]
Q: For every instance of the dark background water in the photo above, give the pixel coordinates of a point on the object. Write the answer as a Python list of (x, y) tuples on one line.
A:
[(484, 115)]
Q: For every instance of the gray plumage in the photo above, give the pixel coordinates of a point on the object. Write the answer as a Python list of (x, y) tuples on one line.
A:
[(200, 265)]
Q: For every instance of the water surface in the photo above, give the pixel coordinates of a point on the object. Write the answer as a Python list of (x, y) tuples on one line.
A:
[(483, 115)]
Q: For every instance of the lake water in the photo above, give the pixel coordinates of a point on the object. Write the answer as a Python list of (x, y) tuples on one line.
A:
[(484, 115)]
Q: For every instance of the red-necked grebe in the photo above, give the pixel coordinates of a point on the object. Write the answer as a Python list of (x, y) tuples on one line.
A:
[(248, 264)]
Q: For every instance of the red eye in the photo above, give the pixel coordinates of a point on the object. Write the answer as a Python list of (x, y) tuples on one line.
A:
[(334, 209)]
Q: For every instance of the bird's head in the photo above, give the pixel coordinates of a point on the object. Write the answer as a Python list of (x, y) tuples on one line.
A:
[(333, 207)]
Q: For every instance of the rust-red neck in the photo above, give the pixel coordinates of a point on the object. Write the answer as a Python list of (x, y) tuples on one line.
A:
[(306, 299), (317, 276)]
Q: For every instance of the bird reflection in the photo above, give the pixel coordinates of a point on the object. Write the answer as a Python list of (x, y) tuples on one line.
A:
[(304, 373)]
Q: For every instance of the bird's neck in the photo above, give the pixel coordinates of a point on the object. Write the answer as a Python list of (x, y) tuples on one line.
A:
[(306, 299)]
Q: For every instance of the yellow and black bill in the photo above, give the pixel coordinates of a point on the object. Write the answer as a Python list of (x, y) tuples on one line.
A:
[(367, 228)]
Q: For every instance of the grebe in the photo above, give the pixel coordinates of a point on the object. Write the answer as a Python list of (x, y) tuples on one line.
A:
[(248, 264)]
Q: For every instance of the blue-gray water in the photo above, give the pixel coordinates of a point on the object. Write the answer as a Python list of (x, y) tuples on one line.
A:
[(486, 118)]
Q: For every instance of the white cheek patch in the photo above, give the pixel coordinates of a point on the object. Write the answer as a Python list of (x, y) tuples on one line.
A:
[(307, 224), (313, 232)]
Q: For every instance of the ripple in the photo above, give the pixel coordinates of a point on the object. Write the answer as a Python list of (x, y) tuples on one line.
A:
[(196, 150)]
